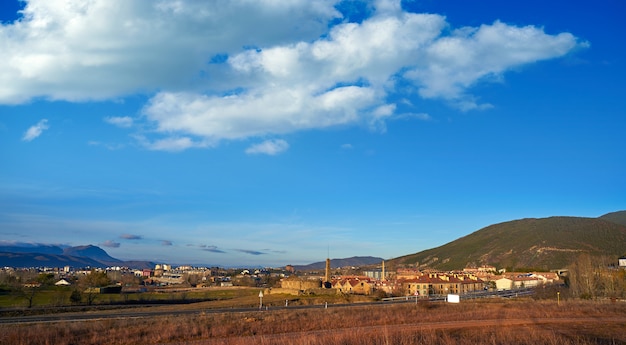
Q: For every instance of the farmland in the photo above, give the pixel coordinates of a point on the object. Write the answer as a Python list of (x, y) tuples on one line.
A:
[(491, 321)]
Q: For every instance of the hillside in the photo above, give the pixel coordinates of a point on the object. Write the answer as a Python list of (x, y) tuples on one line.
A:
[(616, 217), (546, 243)]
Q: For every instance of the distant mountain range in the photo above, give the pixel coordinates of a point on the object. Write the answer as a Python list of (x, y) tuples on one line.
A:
[(545, 243), (355, 261), (540, 243), (44, 255)]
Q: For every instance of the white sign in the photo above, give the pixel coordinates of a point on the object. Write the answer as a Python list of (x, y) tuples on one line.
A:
[(261, 294), (453, 298)]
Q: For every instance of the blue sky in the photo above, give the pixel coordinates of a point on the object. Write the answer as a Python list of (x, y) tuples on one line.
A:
[(268, 133)]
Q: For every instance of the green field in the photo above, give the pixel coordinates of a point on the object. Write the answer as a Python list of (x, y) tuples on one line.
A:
[(60, 296), (213, 297)]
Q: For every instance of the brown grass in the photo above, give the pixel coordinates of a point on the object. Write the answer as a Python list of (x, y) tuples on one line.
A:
[(481, 322)]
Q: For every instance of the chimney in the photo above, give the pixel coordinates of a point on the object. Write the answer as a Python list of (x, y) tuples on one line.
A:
[(383, 272), (327, 277)]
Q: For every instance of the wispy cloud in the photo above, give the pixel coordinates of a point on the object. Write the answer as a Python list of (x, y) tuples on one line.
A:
[(110, 244), (111, 147), (36, 130), (251, 252), (166, 243), (269, 147), (119, 121), (130, 237), (275, 251), (171, 144), (418, 116), (212, 249)]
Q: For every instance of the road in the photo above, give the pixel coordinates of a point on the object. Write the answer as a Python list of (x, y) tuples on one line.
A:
[(152, 311), (156, 311)]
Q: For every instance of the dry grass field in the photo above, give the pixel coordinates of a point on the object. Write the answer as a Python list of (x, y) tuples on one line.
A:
[(476, 322)]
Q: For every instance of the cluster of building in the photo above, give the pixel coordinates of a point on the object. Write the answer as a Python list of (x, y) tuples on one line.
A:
[(502, 280), (404, 282), (400, 282), (161, 275)]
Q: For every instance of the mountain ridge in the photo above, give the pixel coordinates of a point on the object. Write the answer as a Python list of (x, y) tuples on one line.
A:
[(92, 252), (542, 243), (618, 217), (47, 255), (355, 261)]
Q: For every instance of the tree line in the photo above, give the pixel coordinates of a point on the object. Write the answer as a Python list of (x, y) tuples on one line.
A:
[(591, 277)]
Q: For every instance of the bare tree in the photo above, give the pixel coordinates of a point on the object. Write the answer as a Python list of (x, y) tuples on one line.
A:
[(91, 284), (596, 276), (582, 277), (28, 293)]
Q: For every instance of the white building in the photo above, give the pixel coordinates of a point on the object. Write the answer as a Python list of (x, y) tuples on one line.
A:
[(62, 282)]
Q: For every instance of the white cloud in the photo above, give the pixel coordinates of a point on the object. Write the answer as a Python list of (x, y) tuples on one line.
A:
[(120, 121), (259, 112), (36, 130), (269, 147), (100, 49), (347, 77), (295, 74), (452, 64)]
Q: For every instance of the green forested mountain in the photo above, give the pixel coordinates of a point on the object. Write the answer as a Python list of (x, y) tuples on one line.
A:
[(546, 243), (618, 217)]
